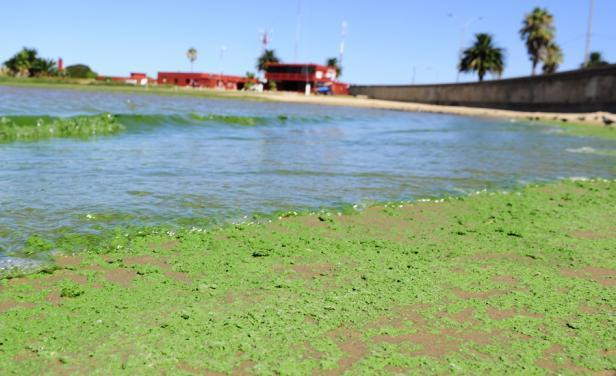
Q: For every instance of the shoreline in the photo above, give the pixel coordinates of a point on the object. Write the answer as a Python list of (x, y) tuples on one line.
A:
[(519, 277), (39, 257), (599, 118)]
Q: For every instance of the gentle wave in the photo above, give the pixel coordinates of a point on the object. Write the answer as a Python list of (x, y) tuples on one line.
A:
[(32, 128), (204, 119), (29, 128)]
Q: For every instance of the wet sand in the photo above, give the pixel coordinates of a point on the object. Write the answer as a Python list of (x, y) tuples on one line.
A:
[(590, 118)]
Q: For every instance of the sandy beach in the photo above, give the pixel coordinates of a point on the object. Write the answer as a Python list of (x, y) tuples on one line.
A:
[(590, 118)]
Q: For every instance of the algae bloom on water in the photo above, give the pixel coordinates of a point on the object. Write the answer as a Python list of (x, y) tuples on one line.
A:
[(16, 128), (247, 121)]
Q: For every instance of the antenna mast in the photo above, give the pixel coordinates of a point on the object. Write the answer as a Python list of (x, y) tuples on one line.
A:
[(343, 33), (264, 37), (298, 29)]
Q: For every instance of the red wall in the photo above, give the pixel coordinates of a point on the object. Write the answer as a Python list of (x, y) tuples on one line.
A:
[(200, 80), (337, 88)]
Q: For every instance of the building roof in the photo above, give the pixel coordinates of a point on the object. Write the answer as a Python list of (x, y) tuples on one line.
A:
[(298, 65), (202, 76)]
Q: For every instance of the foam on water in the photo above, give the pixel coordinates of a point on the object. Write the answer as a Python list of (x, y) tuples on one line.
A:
[(583, 150)]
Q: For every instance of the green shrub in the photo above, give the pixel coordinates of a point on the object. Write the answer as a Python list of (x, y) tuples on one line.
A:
[(79, 71)]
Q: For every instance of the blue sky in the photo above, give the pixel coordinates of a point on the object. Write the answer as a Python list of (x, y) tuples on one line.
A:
[(385, 39)]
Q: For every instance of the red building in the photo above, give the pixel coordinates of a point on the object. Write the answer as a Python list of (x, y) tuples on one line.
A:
[(202, 80), (141, 79), (295, 77)]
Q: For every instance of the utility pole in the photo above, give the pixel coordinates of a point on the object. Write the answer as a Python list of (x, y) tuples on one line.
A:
[(298, 28), (223, 48), (589, 33)]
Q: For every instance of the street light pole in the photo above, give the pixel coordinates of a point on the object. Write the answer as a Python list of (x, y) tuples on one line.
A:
[(589, 33)]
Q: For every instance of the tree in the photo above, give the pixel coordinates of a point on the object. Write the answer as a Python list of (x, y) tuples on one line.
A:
[(43, 67), (482, 57), (333, 63), (552, 57), (27, 63), (20, 63), (250, 76), (267, 57), (79, 71), (595, 60), (191, 54), (538, 33)]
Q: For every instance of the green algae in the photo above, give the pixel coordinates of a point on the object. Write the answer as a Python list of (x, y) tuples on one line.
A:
[(251, 121), (34, 128), (492, 283), (31, 128), (582, 130), (248, 121)]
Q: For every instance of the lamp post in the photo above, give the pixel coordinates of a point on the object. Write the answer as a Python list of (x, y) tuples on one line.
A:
[(463, 31), (589, 33), (223, 48)]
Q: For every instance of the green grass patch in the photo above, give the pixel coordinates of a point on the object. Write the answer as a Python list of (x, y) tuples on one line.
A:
[(102, 86)]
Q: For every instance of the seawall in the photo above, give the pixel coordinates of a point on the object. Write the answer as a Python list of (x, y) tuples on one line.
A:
[(584, 90)]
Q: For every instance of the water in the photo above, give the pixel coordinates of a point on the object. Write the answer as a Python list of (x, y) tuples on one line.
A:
[(168, 169)]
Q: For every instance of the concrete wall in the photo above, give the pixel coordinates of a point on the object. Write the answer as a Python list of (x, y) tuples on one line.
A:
[(574, 91)]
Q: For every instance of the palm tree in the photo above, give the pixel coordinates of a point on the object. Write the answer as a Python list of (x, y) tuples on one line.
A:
[(250, 80), (191, 54), (20, 63), (43, 67), (538, 32), (267, 57), (27, 63), (483, 57), (595, 60), (332, 62), (552, 58)]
